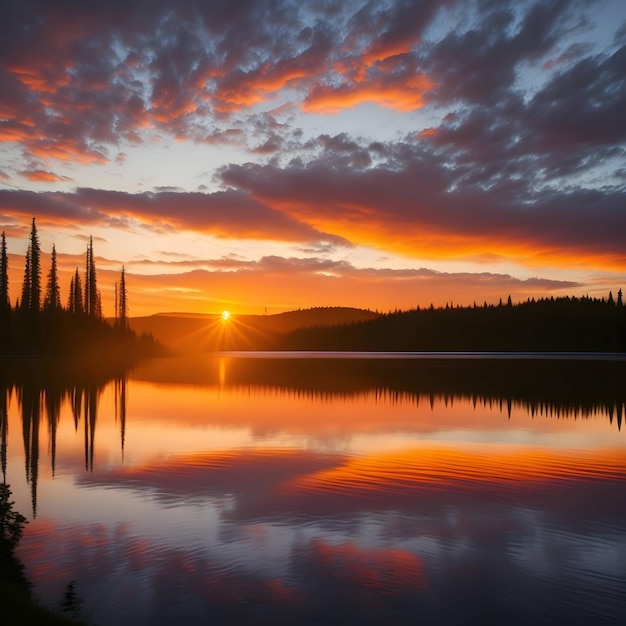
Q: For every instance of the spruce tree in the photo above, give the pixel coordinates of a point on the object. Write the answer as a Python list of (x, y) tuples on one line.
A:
[(31, 289), (123, 302), (75, 302), (52, 300), (5, 303), (98, 314), (26, 284), (87, 298), (91, 287), (35, 269)]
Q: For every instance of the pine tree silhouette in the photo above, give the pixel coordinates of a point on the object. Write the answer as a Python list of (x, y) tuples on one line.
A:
[(5, 303), (92, 307), (122, 302), (52, 300), (75, 302), (31, 289)]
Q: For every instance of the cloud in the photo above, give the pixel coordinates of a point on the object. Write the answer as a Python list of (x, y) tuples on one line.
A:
[(249, 286), (43, 176), (79, 81), (582, 106), (480, 65), (393, 84), (415, 206), (225, 213)]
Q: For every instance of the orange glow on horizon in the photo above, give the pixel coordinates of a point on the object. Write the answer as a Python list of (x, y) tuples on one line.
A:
[(271, 293)]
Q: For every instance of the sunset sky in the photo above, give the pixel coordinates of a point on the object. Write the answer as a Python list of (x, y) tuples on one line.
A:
[(273, 155)]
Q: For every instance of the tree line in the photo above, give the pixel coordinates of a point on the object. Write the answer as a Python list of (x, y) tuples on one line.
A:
[(549, 324), (38, 323)]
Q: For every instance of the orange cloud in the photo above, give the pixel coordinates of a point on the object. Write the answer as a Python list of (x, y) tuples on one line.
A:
[(258, 287), (15, 131), (424, 241), (37, 81), (255, 88), (42, 176), (403, 97), (65, 151)]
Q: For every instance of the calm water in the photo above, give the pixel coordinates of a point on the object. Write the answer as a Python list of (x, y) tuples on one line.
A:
[(229, 490)]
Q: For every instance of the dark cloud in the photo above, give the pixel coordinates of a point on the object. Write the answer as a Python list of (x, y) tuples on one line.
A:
[(480, 65), (227, 213), (582, 106), (492, 198)]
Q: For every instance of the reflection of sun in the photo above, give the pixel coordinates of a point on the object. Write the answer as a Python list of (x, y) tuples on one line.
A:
[(225, 315)]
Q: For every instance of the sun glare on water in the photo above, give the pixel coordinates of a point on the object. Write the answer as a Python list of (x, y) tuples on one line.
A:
[(225, 316)]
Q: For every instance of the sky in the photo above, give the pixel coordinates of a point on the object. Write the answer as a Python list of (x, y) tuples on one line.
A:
[(263, 156)]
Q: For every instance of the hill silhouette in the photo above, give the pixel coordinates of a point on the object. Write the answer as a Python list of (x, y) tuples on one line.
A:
[(195, 332)]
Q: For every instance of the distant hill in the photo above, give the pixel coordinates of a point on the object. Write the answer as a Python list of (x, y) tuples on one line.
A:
[(194, 332)]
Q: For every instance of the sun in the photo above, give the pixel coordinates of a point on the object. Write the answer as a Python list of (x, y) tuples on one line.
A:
[(225, 316)]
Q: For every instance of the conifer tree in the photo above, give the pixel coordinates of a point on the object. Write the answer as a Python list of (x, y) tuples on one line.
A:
[(123, 302), (91, 287), (5, 303), (98, 314), (35, 269), (31, 289), (75, 302), (26, 284), (52, 300)]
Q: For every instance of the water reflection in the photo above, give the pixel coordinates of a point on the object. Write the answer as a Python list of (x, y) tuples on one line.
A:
[(39, 396), (554, 388), (319, 492)]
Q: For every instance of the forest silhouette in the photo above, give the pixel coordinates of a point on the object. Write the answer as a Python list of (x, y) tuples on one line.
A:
[(568, 324), (39, 325)]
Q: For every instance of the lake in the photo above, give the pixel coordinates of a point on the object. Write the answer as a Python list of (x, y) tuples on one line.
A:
[(262, 489)]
